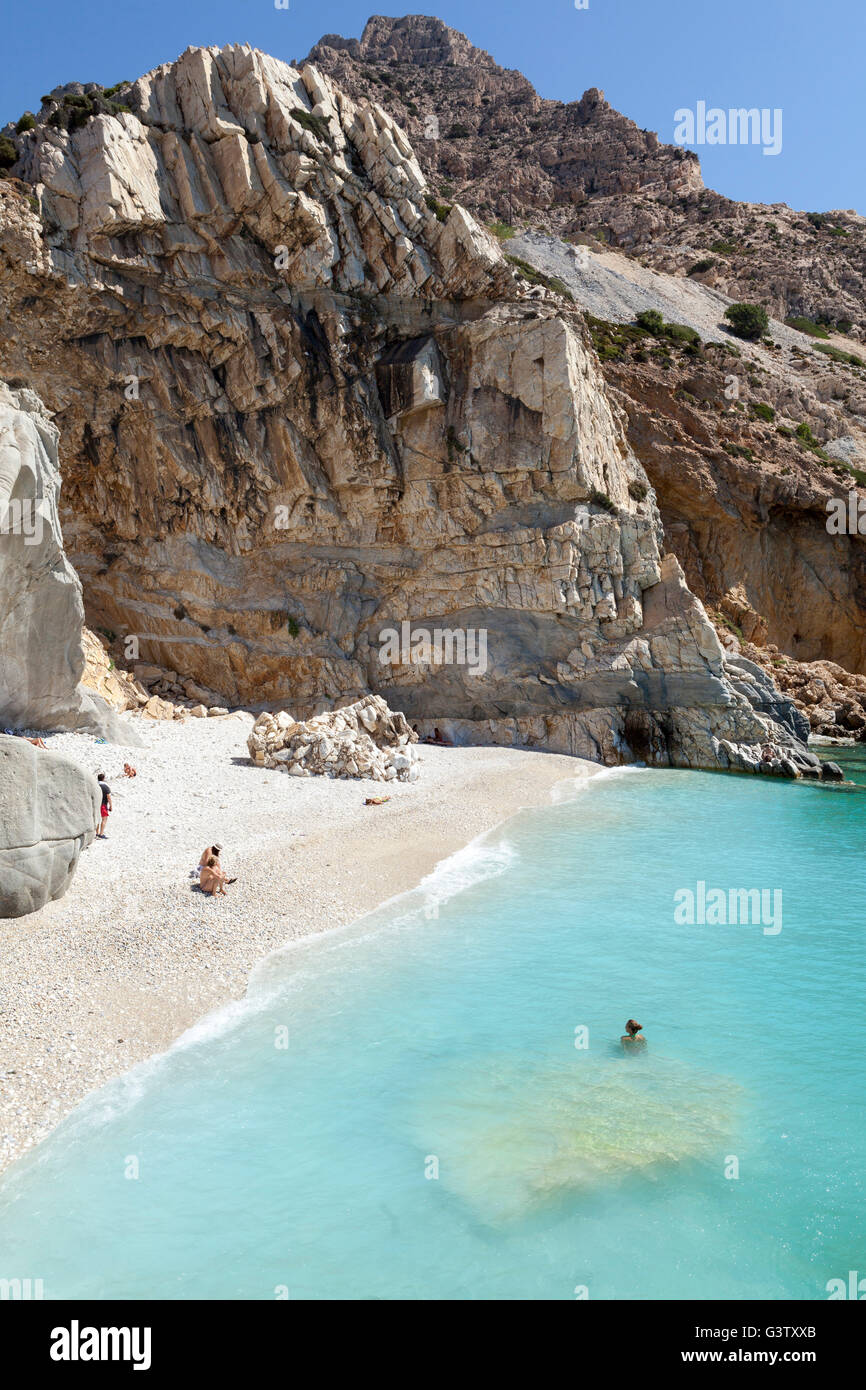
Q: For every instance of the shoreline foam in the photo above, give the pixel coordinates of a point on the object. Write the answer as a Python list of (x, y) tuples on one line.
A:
[(117, 971)]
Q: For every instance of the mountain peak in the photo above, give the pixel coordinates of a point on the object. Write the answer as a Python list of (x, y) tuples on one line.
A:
[(419, 39)]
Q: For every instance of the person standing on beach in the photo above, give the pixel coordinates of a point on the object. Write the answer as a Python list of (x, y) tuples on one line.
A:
[(633, 1039), (105, 808)]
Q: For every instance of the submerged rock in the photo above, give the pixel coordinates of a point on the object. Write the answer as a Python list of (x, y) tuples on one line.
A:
[(518, 1136)]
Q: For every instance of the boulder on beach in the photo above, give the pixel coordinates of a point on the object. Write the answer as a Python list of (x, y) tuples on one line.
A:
[(49, 811), (366, 740)]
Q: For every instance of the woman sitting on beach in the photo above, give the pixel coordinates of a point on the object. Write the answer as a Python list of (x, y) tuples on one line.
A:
[(633, 1039), (213, 852), (211, 878)]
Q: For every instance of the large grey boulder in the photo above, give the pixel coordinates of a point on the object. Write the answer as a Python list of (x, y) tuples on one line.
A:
[(49, 811), (41, 606)]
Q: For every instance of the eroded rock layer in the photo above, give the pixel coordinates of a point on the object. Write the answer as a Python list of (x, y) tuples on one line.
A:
[(302, 405)]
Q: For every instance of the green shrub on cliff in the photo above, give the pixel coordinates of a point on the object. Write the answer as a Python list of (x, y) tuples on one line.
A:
[(651, 320), (440, 209), (748, 321), (804, 325)]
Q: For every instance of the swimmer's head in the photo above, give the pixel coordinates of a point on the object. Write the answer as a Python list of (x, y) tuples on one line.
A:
[(631, 1027)]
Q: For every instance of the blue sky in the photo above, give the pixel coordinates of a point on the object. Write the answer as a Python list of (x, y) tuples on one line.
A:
[(650, 57)]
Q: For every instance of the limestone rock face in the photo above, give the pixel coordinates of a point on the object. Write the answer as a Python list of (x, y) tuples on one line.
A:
[(486, 131), (366, 740), (736, 443), (49, 812), (830, 700), (41, 607), (484, 136), (101, 674), (304, 404)]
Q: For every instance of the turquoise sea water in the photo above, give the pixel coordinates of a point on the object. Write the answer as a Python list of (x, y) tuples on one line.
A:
[(432, 1131)]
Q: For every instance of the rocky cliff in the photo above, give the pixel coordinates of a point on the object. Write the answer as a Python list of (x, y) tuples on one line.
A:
[(41, 608), (304, 407), (582, 170), (750, 446), (744, 446)]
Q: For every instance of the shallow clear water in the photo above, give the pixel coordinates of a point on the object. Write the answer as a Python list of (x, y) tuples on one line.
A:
[(441, 1032)]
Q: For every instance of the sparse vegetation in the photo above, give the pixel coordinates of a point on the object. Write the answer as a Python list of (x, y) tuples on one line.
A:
[(8, 153), (737, 450), (700, 266), (681, 333), (25, 122), (848, 358), (804, 325), (637, 491), (536, 277), (610, 340), (316, 125), (651, 320), (501, 230), (748, 321), (440, 209), (762, 411), (601, 499)]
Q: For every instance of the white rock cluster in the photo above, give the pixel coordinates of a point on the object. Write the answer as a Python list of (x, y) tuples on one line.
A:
[(365, 740)]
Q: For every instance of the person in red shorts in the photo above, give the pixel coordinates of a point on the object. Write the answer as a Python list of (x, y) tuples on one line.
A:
[(105, 808)]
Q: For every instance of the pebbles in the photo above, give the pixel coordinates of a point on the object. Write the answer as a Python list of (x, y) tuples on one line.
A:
[(135, 951)]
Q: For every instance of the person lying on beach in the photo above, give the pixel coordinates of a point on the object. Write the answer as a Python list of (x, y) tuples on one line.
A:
[(633, 1039), (213, 851), (211, 879)]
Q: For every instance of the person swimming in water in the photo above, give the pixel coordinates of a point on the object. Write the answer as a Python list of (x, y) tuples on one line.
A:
[(633, 1039)]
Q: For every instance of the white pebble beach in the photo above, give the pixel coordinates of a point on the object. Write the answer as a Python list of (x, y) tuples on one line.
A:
[(134, 953)]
